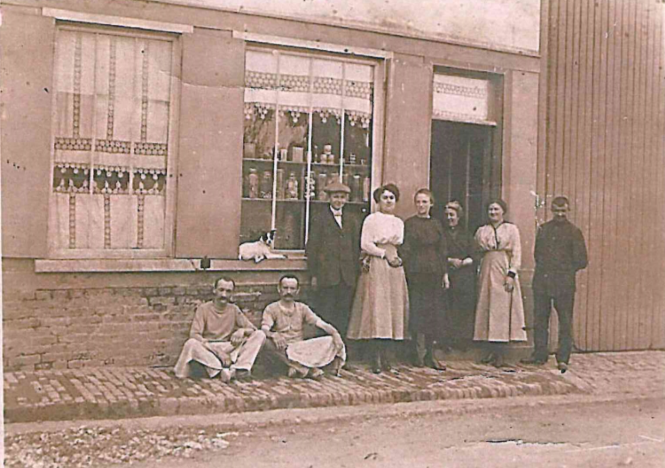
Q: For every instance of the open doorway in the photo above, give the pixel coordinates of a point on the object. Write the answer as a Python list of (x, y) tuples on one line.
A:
[(462, 167)]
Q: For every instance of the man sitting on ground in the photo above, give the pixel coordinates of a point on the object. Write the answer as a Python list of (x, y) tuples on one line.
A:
[(283, 323), (222, 339)]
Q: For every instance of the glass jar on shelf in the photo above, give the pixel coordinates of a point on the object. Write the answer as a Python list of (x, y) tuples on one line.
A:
[(315, 156), (356, 188), (327, 157), (252, 183), (292, 187), (266, 185), (280, 184), (366, 189), (297, 153), (321, 183), (310, 185)]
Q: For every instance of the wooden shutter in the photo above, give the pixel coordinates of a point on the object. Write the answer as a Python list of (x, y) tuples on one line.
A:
[(27, 64), (210, 156)]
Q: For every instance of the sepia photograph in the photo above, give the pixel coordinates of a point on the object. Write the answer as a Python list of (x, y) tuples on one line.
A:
[(332, 233)]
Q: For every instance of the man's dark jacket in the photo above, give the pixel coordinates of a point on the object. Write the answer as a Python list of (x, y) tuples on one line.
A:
[(333, 252), (559, 253)]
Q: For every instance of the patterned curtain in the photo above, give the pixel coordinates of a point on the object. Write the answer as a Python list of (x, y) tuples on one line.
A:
[(299, 84), (111, 142)]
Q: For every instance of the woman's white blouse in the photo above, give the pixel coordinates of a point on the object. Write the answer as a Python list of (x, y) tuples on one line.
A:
[(506, 237), (381, 228)]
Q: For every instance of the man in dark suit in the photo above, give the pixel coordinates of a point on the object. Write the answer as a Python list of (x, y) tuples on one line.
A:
[(560, 252), (333, 251)]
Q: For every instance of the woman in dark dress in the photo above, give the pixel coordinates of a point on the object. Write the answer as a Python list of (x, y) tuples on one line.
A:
[(425, 261), (462, 272)]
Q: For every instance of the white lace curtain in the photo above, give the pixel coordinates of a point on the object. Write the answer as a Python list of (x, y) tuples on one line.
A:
[(299, 84), (111, 142), (462, 99)]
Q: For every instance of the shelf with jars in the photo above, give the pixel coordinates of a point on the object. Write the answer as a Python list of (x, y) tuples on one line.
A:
[(258, 185), (290, 162)]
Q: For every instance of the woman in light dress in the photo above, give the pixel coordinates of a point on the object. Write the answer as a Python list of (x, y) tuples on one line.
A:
[(380, 312), (499, 311)]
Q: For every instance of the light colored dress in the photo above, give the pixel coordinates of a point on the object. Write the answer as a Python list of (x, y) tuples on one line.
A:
[(381, 304), (499, 314)]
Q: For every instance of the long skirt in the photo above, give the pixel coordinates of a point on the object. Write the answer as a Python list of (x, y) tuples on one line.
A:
[(381, 304), (499, 314), (426, 306), (460, 308)]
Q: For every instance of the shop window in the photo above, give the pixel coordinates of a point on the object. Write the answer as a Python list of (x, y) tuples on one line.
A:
[(465, 144), (111, 186), (308, 122)]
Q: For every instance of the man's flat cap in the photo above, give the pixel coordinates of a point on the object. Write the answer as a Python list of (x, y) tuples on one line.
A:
[(337, 187)]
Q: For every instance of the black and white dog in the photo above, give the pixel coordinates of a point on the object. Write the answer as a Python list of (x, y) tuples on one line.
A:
[(261, 249)]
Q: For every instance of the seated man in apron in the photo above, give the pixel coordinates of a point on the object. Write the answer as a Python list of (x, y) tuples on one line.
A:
[(283, 323)]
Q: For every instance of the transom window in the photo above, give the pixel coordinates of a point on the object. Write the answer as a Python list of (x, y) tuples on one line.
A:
[(308, 122), (111, 188), (465, 145)]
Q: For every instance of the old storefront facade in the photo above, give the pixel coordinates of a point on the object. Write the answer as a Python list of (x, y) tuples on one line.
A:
[(144, 141)]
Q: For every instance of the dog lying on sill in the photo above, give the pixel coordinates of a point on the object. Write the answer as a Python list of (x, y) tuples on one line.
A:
[(260, 249)]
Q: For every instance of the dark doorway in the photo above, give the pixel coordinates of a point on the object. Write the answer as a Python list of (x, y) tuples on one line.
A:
[(462, 167)]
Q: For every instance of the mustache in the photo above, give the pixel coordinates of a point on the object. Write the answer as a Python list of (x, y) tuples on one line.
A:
[(289, 295)]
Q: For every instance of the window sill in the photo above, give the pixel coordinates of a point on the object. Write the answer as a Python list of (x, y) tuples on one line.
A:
[(163, 265)]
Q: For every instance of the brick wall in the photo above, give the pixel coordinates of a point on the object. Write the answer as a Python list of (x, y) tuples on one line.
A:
[(126, 326)]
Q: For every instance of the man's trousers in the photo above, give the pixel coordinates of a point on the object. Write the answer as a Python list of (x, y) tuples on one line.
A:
[(564, 304), (242, 356)]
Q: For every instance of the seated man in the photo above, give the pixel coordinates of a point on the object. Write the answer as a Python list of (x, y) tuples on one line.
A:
[(283, 323), (222, 339)]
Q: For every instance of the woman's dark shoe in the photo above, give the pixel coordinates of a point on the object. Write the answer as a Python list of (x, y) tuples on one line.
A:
[(376, 364), (436, 364), (489, 359), (385, 356), (499, 362), (562, 366)]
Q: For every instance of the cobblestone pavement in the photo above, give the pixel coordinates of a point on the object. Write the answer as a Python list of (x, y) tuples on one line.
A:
[(112, 393), (633, 374)]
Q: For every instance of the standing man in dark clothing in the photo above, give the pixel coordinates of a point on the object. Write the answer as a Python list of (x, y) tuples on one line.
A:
[(560, 253), (333, 253)]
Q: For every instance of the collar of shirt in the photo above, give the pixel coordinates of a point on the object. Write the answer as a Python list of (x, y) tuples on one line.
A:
[(286, 311), (336, 212)]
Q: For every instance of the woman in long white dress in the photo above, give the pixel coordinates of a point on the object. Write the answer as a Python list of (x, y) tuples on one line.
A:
[(380, 310), (499, 311)]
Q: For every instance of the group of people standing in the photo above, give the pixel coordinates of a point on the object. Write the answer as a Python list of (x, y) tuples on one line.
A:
[(388, 281), (420, 279)]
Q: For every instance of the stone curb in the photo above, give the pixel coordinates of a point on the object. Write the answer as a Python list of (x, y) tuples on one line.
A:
[(131, 392)]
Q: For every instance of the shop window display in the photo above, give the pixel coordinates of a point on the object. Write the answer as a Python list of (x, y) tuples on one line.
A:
[(308, 122)]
